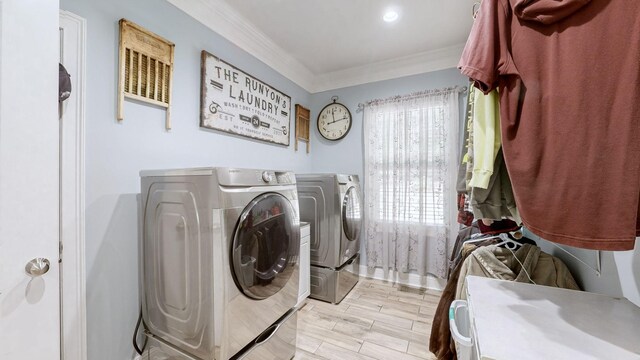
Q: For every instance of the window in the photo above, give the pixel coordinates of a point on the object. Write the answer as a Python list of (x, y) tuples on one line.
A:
[(412, 189), (410, 165)]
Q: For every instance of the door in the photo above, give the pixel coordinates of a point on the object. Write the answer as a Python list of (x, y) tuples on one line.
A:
[(265, 246), (351, 223), (29, 186), (351, 218)]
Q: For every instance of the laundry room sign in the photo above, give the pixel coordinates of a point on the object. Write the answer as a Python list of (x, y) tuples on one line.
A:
[(238, 103)]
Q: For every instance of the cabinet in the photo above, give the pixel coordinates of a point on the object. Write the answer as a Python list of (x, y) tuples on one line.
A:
[(305, 263), (511, 320)]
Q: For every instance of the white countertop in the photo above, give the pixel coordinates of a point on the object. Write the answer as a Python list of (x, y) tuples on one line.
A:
[(525, 321)]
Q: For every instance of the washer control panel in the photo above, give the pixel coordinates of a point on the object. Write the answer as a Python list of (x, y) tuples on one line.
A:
[(267, 176)]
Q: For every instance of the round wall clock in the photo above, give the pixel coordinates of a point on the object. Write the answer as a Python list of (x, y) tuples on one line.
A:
[(334, 121)]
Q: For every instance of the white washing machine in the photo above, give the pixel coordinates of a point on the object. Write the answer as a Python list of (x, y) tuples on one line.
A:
[(331, 203), (220, 263)]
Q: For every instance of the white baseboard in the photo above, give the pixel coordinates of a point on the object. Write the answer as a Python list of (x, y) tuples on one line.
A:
[(411, 279)]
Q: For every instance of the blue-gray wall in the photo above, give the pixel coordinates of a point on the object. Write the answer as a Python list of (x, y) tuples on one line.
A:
[(346, 156), (116, 152)]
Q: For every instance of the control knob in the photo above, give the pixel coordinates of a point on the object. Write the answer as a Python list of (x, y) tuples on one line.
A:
[(266, 177)]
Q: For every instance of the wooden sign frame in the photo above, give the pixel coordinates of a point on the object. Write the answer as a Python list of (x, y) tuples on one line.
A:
[(145, 69), (303, 121), (236, 102)]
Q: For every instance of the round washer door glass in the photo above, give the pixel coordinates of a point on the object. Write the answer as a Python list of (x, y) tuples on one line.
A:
[(351, 217), (265, 246)]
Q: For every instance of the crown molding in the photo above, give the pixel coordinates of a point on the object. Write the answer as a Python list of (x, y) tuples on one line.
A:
[(218, 16), (427, 61)]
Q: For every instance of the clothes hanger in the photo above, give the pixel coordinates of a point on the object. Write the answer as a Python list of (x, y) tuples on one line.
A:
[(507, 241), (518, 234), (475, 8)]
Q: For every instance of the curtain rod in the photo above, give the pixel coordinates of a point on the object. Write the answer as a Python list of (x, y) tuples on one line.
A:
[(459, 89)]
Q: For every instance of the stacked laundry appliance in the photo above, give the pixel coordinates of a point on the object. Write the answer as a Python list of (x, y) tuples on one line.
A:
[(331, 203), (220, 263)]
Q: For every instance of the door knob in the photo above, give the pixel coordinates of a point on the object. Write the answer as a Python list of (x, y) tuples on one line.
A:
[(37, 267)]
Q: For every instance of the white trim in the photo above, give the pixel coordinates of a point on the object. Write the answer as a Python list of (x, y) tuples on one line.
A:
[(424, 62), (412, 279), (73, 280), (218, 16)]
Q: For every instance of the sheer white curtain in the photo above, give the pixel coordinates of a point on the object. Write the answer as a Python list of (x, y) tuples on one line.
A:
[(411, 157)]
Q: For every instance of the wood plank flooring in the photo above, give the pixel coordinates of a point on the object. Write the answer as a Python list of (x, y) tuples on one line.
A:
[(376, 321)]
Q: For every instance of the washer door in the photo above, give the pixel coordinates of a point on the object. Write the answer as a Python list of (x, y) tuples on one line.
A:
[(351, 218), (265, 246)]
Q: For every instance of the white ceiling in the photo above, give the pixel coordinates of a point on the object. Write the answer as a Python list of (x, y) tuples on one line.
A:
[(327, 44)]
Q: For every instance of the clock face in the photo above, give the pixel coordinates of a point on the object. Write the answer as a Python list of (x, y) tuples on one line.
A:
[(334, 121)]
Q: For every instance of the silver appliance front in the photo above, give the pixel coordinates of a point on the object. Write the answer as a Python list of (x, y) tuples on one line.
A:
[(319, 206), (197, 297), (332, 285), (156, 349), (350, 216), (278, 342), (180, 248), (331, 204), (263, 277)]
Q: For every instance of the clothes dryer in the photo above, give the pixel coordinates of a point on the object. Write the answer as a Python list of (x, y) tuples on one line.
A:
[(220, 262), (331, 203)]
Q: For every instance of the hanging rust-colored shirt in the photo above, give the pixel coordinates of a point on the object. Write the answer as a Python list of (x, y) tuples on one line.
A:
[(568, 74)]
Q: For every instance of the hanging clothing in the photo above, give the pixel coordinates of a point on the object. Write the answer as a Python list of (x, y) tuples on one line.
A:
[(468, 158), (486, 140), (456, 254), (465, 217), (569, 112), (501, 263), (462, 181), (485, 259), (64, 83), (497, 201)]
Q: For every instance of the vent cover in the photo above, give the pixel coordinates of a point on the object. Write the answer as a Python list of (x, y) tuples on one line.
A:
[(146, 68)]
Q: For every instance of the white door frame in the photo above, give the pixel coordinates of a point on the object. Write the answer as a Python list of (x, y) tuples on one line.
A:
[(72, 189)]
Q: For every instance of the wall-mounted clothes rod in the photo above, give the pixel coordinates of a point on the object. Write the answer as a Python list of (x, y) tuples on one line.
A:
[(460, 89), (597, 269)]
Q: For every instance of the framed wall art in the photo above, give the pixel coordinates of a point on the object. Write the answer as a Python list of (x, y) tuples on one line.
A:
[(146, 68), (238, 103), (303, 118)]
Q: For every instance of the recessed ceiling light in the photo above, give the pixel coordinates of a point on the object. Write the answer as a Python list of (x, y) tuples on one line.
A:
[(390, 16)]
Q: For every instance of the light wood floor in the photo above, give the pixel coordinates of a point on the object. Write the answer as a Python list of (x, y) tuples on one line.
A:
[(376, 320)]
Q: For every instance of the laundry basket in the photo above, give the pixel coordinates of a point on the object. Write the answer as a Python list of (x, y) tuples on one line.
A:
[(460, 326)]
